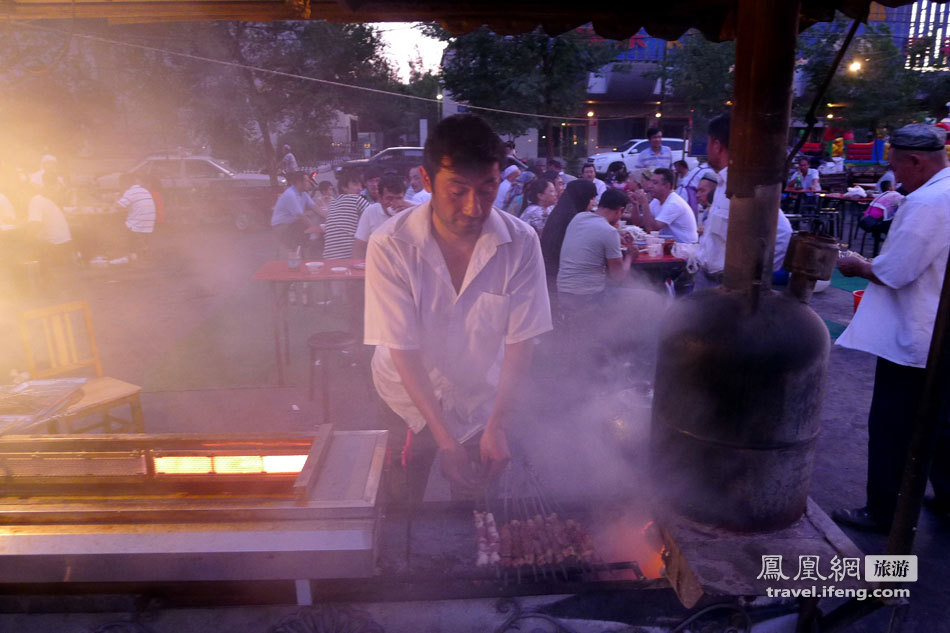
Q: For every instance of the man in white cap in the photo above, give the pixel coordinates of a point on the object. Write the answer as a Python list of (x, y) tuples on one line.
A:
[(895, 322), (508, 178)]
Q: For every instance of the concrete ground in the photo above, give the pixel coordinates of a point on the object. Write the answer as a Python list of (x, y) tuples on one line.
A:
[(190, 326)]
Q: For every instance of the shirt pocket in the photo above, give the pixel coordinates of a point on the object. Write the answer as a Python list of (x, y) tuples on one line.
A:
[(488, 316)]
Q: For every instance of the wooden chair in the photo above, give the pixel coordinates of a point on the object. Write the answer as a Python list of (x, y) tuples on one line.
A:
[(60, 340)]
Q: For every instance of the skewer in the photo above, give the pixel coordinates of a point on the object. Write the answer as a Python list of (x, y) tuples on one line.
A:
[(529, 543)]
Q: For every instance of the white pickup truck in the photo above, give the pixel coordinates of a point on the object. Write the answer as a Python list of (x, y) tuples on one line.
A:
[(627, 154)]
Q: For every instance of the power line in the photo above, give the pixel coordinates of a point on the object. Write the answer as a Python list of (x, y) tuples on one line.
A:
[(328, 82)]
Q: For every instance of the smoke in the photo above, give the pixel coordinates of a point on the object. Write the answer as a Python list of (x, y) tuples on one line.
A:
[(588, 431)]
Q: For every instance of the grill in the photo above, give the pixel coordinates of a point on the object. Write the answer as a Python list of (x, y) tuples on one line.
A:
[(149, 508)]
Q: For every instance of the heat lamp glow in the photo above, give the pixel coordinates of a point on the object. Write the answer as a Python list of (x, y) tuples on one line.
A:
[(229, 464)]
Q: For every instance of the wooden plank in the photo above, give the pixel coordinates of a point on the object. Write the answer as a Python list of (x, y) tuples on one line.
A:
[(307, 478)]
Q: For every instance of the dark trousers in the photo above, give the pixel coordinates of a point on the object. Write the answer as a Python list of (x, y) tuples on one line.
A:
[(897, 392), (411, 456)]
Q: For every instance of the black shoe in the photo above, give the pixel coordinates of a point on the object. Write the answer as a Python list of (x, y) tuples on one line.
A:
[(938, 507), (861, 519)]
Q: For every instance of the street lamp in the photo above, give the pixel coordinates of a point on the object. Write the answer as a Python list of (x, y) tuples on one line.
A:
[(590, 114), (438, 98), (855, 66)]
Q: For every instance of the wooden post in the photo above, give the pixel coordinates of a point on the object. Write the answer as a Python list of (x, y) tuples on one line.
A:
[(765, 57)]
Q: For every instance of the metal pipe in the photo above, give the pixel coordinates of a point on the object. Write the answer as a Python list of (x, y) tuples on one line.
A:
[(926, 426), (765, 58)]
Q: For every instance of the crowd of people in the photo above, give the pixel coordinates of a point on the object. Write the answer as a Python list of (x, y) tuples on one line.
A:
[(664, 197), (35, 228)]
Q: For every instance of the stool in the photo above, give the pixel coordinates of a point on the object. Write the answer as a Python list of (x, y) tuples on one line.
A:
[(320, 344)]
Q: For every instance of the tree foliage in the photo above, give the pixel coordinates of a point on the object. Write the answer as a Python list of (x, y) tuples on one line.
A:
[(165, 102), (531, 73), (882, 94), (699, 73)]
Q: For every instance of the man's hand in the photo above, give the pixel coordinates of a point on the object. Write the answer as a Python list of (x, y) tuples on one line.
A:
[(626, 238), (854, 267), (639, 197), (456, 466), (494, 451)]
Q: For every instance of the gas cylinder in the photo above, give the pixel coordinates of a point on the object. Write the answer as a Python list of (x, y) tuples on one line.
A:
[(737, 400)]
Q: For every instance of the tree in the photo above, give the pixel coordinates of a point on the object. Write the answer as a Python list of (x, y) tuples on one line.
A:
[(883, 93), (531, 73), (164, 101), (700, 73)]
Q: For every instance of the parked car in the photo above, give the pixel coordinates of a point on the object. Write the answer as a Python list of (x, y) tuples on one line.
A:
[(627, 154), (202, 188), (397, 160)]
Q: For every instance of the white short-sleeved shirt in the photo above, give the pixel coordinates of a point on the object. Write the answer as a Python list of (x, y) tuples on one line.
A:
[(373, 217), (679, 219), (411, 304), (783, 235), (601, 187), (716, 228), (54, 228), (141, 207), (588, 243), (417, 197), (895, 321)]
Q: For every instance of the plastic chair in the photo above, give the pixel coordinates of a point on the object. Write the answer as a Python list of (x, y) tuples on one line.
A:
[(322, 345), (67, 345)]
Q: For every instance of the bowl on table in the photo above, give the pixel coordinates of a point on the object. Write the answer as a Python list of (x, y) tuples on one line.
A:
[(314, 267)]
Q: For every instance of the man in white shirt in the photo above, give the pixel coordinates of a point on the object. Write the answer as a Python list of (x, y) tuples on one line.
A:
[(289, 218), (674, 219), (140, 213), (392, 188), (688, 183), (657, 154), (455, 295), (508, 178), (49, 226), (416, 193), (712, 252), (895, 322), (288, 164), (589, 172), (805, 177)]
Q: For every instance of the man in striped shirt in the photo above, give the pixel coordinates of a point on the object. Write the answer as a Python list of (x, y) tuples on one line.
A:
[(343, 216), (141, 213)]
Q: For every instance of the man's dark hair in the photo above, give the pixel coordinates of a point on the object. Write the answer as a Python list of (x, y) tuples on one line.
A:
[(324, 185), (653, 131), (665, 174), (804, 158), (392, 183), (348, 176), (719, 129), (586, 165), (681, 163), (613, 199), (554, 163), (467, 141), (372, 171)]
